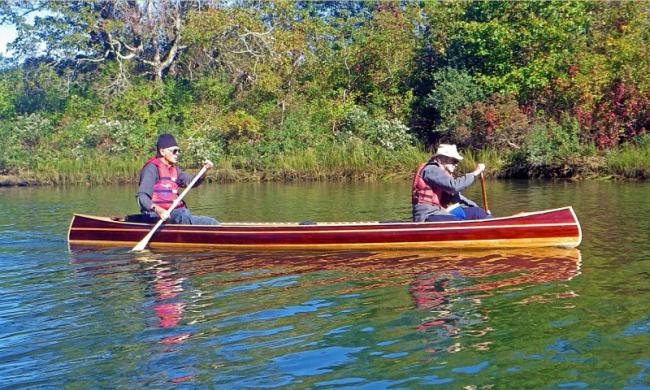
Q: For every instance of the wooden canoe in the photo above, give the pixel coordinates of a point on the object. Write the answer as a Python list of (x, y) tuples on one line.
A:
[(557, 227)]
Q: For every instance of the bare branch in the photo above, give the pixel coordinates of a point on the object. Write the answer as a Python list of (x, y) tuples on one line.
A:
[(100, 59)]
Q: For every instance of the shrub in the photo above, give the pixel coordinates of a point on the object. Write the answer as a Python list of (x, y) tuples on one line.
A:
[(7, 107), (31, 129), (115, 136), (549, 143), (622, 114), (642, 141), (24, 141), (389, 134), (497, 123), (355, 122), (240, 127), (205, 144), (454, 89), (302, 129)]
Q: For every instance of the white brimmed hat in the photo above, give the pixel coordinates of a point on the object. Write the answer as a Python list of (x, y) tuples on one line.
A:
[(448, 151)]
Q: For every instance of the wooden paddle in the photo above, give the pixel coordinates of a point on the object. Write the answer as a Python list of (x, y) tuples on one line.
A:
[(485, 203), (143, 243)]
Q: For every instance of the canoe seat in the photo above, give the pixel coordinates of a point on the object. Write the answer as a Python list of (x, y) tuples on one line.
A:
[(140, 218), (308, 223)]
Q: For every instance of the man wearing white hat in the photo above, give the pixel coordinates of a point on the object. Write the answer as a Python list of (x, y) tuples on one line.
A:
[(435, 189)]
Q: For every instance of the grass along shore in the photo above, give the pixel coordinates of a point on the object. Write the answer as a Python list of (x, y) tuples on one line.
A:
[(338, 163)]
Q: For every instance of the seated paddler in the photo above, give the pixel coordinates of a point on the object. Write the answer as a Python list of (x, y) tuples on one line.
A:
[(160, 181), (435, 193)]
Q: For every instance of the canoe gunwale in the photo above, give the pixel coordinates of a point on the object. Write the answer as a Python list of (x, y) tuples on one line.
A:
[(321, 224)]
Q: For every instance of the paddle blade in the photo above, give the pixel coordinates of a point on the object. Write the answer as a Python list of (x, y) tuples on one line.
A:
[(140, 246)]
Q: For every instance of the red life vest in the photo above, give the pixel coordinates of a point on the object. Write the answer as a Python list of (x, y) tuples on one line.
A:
[(421, 192), (165, 190)]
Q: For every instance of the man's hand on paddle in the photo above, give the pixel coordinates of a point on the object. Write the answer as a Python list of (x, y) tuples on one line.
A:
[(208, 164), (479, 169), (161, 212)]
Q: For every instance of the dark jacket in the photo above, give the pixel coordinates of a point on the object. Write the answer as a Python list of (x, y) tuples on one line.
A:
[(149, 177), (436, 177)]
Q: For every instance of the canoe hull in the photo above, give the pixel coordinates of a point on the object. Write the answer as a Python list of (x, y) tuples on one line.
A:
[(558, 227)]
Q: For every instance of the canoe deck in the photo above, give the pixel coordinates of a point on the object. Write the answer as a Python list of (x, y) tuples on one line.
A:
[(557, 227)]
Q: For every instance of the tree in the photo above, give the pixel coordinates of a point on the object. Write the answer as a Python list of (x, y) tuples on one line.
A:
[(512, 47), (145, 33)]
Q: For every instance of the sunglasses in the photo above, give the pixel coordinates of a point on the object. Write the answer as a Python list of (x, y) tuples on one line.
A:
[(450, 161), (174, 150)]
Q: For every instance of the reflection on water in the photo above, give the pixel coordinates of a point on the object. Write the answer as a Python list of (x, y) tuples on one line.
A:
[(239, 302), (476, 320)]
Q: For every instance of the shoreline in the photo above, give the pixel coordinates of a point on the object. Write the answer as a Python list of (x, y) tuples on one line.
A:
[(28, 180)]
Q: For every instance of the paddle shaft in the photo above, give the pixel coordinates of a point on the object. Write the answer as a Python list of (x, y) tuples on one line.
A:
[(485, 202), (143, 243)]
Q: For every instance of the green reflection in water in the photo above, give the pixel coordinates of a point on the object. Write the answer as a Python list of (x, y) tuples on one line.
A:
[(411, 319)]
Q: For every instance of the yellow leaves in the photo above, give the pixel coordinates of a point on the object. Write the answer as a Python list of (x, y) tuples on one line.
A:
[(240, 127)]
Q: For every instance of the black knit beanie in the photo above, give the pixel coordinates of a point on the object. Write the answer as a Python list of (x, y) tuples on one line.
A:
[(165, 141)]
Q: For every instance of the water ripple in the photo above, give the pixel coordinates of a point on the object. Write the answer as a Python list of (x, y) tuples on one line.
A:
[(111, 318)]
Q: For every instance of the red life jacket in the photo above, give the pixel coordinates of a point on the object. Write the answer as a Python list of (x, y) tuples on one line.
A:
[(421, 192), (165, 190)]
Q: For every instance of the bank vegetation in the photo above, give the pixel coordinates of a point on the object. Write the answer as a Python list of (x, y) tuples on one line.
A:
[(292, 90)]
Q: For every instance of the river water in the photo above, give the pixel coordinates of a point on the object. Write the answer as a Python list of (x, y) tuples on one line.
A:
[(551, 318)]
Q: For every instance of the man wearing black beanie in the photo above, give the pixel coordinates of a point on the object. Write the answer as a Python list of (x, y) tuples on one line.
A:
[(160, 180)]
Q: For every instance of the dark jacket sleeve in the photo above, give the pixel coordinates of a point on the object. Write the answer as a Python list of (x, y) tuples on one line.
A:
[(185, 179), (467, 202), (148, 177), (436, 177)]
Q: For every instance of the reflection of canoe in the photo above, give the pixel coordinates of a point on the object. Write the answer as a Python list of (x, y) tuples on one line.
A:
[(519, 265), (494, 267), (558, 227), (448, 286)]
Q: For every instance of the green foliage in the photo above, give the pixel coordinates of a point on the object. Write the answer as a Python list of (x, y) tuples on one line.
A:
[(115, 137), (82, 108), (373, 62), (389, 134), (94, 168), (497, 122), (551, 143), (43, 89), (495, 161), (256, 86), (206, 143), (24, 141), (453, 91), (517, 47), (153, 105), (213, 92), (354, 159), (239, 127), (302, 129), (7, 96), (642, 141), (356, 122), (629, 161)]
